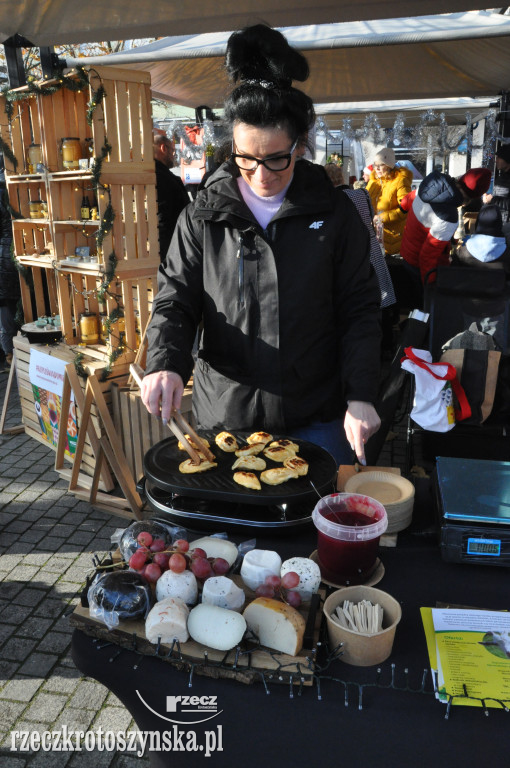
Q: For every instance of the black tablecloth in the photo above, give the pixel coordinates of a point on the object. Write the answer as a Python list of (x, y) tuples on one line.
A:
[(396, 728)]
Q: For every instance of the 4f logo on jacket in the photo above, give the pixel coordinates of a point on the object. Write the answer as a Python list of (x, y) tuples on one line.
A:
[(316, 225)]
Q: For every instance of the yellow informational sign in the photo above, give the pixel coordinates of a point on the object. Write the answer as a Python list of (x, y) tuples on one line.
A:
[(47, 379)]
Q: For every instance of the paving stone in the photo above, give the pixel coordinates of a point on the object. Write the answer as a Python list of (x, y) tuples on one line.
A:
[(30, 597), (81, 538), (32, 514), (78, 575), (8, 669), (35, 627), (124, 761), (12, 471), (16, 614), (6, 630), (19, 547), (21, 689), (38, 665), (25, 725), (89, 695), (63, 531), (58, 564), (62, 680), (8, 562), (113, 718), (57, 642), (74, 719), (13, 762), (17, 486), (33, 536), (51, 760), (23, 573), (9, 713), (6, 517), (17, 649), (92, 759), (50, 609), (45, 708), (36, 558)]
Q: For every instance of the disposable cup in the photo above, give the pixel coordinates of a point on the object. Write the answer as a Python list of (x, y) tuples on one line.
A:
[(349, 526), (360, 648)]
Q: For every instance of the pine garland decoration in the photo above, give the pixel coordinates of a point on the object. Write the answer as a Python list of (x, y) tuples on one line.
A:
[(8, 153), (78, 365)]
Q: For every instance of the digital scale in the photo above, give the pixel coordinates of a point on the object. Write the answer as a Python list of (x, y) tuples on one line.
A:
[(473, 501)]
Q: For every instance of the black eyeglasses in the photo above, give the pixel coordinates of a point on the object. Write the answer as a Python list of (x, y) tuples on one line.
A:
[(277, 163)]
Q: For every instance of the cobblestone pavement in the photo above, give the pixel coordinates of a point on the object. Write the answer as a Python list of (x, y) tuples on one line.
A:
[(47, 538)]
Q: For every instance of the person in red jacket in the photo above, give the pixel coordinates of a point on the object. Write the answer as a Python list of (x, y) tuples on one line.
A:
[(432, 218)]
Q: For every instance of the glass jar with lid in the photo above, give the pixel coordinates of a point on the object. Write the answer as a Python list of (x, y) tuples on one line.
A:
[(71, 153)]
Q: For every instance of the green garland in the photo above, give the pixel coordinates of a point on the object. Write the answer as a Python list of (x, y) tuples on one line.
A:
[(107, 220), (111, 262), (96, 99), (75, 83), (9, 154), (78, 365)]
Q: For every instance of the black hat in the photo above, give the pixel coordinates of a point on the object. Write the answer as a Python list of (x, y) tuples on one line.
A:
[(489, 221), (504, 152)]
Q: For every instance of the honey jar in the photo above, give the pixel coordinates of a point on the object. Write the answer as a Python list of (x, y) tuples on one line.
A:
[(35, 209), (34, 157), (71, 153), (89, 328)]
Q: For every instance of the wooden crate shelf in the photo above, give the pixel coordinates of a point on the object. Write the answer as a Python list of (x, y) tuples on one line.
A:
[(127, 181)]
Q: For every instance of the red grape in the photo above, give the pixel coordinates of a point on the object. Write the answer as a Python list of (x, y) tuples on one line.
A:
[(198, 552), (273, 581), (137, 560), (201, 568), (290, 580), (264, 590), (220, 566), (177, 563), (144, 538), (182, 545), (152, 572), (161, 559), (293, 599), (158, 545)]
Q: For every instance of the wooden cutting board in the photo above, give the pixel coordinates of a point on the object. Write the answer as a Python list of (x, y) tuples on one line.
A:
[(247, 664)]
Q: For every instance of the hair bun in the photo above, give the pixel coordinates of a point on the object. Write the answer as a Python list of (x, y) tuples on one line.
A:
[(262, 53)]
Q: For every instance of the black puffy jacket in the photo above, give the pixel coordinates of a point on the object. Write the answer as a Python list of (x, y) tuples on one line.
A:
[(290, 314)]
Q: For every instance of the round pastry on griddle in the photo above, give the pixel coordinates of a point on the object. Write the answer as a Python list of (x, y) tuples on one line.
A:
[(188, 468), (249, 462), (298, 464), (284, 442), (250, 450), (226, 442), (248, 479), (277, 453), (259, 437), (278, 475)]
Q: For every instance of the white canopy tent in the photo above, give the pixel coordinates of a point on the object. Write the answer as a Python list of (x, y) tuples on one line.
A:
[(428, 57), (54, 22)]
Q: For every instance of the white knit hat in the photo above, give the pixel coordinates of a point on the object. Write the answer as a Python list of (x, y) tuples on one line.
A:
[(386, 156)]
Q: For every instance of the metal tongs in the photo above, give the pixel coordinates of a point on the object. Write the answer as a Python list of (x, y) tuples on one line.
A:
[(178, 426)]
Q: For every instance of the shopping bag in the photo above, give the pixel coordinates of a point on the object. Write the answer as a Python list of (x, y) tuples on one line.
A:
[(434, 408), (477, 371)]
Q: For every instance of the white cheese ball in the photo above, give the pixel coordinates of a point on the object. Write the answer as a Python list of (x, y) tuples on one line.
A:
[(223, 592), (216, 627), (181, 585), (257, 564), (309, 576), (167, 620), (215, 547)]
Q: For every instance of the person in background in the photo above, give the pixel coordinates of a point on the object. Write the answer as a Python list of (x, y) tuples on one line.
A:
[(387, 186), (361, 200), (501, 191), (9, 280), (170, 192), (277, 267), (487, 248), (433, 218)]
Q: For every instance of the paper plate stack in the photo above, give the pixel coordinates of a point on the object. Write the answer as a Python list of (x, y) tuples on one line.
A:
[(394, 492)]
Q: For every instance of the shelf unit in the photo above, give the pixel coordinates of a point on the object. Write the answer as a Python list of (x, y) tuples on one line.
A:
[(122, 121)]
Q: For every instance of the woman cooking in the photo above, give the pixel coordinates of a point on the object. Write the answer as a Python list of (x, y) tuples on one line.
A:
[(276, 265)]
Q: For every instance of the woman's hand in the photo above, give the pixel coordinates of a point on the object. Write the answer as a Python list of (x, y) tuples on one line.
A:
[(161, 392), (361, 422)]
